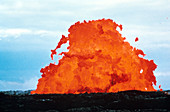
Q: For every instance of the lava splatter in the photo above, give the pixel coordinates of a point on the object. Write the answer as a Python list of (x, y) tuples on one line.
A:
[(99, 60), (136, 39)]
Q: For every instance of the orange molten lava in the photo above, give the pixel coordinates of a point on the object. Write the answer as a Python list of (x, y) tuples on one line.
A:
[(99, 60)]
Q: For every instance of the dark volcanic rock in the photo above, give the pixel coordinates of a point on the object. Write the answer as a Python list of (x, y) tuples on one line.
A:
[(95, 102)]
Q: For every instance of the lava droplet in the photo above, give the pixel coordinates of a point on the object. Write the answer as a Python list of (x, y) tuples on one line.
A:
[(160, 88), (98, 60), (136, 39)]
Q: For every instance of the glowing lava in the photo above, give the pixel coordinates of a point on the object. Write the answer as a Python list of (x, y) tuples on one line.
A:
[(99, 60), (136, 39)]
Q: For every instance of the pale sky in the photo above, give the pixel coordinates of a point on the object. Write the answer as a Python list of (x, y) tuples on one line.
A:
[(29, 29)]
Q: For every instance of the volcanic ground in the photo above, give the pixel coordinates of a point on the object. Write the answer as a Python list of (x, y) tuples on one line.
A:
[(125, 101)]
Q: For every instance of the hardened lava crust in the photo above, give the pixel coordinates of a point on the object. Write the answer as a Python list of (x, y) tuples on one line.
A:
[(125, 101)]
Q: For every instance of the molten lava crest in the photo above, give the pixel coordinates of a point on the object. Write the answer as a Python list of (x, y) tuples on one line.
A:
[(98, 60)]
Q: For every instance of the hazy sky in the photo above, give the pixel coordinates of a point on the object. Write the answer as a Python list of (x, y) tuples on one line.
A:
[(29, 29)]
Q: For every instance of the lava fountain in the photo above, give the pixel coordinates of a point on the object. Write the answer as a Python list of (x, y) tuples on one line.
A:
[(99, 60)]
